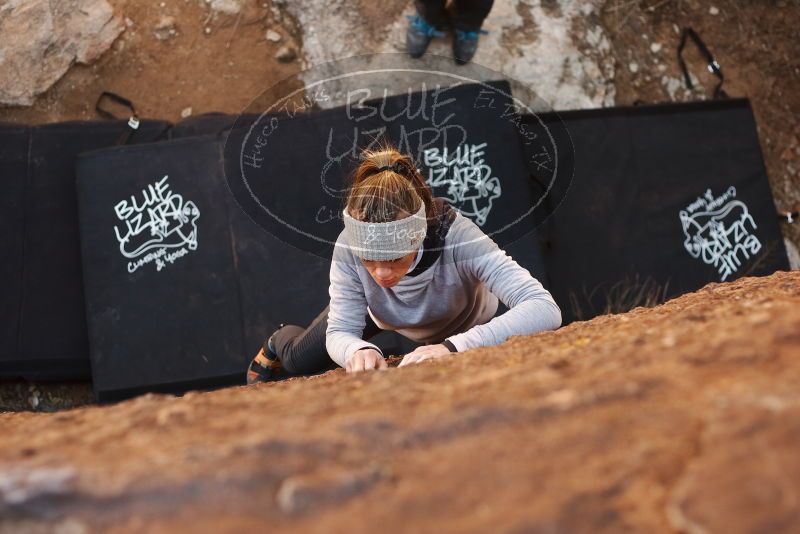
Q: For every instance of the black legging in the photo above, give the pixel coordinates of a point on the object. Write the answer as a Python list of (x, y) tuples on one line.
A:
[(302, 350), (465, 15)]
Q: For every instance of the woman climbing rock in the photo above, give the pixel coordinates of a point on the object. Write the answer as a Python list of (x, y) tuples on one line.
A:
[(408, 262)]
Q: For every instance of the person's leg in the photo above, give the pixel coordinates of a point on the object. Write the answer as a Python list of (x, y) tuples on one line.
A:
[(466, 17), (303, 351), (434, 12), (429, 22)]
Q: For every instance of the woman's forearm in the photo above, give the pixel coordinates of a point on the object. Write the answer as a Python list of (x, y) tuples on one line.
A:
[(527, 317)]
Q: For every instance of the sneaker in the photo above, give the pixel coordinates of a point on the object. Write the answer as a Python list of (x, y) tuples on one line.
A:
[(465, 44), (419, 36), (266, 366)]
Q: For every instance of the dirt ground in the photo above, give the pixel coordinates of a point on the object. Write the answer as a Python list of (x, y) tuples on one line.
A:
[(684, 417), (214, 62), (218, 62)]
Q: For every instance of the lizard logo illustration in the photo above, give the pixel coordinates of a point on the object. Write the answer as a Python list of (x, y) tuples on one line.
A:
[(718, 231), (468, 178), (159, 227)]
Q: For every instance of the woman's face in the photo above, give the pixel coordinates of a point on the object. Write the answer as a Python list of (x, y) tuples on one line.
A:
[(389, 273)]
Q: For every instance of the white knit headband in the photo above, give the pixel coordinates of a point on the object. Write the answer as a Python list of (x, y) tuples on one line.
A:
[(385, 240)]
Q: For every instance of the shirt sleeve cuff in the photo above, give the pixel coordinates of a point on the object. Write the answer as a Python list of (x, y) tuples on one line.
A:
[(450, 346), (467, 340)]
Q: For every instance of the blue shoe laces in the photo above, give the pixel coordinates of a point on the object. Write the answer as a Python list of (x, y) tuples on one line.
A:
[(420, 25), (469, 36)]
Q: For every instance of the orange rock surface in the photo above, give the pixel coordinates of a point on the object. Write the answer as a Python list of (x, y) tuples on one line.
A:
[(684, 417)]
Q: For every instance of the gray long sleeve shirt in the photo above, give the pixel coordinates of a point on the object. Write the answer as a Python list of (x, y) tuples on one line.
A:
[(455, 298)]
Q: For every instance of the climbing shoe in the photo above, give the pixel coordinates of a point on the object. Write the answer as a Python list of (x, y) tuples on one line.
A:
[(465, 44), (266, 366), (419, 35)]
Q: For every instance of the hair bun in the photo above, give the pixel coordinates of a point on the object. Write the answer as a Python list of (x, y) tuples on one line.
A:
[(379, 196)]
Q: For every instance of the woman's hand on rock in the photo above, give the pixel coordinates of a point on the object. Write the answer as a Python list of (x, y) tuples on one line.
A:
[(365, 360), (425, 352)]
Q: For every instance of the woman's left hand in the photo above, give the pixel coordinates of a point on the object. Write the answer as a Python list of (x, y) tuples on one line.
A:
[(425, 352)]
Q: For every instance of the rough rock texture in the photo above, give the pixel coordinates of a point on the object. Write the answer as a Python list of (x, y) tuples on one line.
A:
[(557, 47), (41, 39), (684, 417)]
